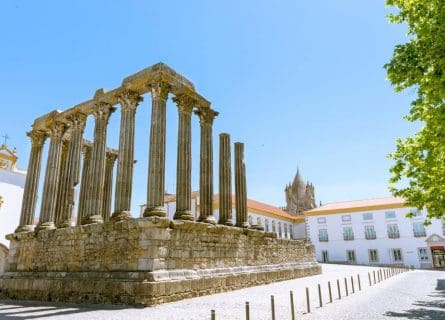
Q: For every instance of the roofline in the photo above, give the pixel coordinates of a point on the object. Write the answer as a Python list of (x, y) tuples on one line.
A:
[(318, 212)]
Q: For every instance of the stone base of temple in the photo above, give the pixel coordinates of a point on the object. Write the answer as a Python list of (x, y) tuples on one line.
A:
[(147, 261), (135, 289)]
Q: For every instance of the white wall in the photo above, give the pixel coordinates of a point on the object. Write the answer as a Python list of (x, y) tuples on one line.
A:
[(337, 246)]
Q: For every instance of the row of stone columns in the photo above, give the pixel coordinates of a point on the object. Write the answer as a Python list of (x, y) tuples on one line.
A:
[(64, 159)]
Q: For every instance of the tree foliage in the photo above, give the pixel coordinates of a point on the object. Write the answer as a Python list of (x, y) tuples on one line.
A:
[(418, 174)]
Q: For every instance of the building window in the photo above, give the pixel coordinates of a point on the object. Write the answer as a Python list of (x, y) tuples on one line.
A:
[(397, 255), (368, 216), (280, 232), (324, 256), (274, 226), (373, 255), (323, 235), (350, 254), (258, 221), (419, 229), (285, 230), (348, 234), (321, 220), (370, 233), (393, 231), (346, 218), (266, 224), (390, 214), (423, 254), (250, 220)]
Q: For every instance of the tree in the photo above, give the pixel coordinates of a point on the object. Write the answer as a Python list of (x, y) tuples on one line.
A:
[(418, 174)]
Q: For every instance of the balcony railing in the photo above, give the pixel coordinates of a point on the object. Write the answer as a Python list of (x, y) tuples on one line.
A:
[(419, 234), (393, 234), (370, 236), (348, 236), (323, 239)]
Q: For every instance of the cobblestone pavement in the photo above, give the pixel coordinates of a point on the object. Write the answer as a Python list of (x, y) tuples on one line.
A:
[(412, 295)]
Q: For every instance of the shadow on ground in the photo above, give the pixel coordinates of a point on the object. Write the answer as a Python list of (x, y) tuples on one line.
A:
[(11, 309), (433, 309)]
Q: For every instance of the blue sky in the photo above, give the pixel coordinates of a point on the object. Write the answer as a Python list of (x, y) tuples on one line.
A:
[(301, 83)]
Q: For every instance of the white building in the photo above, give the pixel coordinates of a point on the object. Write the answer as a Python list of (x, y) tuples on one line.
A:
[(271, 218), (375, 232), (12, 182)]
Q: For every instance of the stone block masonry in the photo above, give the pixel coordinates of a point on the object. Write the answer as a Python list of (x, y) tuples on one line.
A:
[(147, 261)]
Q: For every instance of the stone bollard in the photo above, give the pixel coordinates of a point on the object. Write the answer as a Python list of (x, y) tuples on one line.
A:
[(320, 299), (346, 287), (359, 283), (212, 315), (272, 305), (247, 311)]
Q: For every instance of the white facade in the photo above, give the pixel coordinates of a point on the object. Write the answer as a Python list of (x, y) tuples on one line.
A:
[(12, 182), (373, 236)]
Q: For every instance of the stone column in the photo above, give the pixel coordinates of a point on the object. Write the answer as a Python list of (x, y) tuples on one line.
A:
[(240, 187), (81, 211), (52, 176), (156, 166), (108, 184), (94, 197), (225, 180), (206, 116), (71, 175), (184, 159), (32, 182), (61, 190), (125, 163)]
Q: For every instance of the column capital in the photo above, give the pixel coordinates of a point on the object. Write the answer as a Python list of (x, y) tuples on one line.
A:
[(129, 100), (206, 115), (37, 137), (185, 103), (159, 89), (111, 156), (57, 130), (103, 111), (77, 121)]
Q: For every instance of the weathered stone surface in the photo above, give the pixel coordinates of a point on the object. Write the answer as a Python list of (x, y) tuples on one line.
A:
[(147, 261)]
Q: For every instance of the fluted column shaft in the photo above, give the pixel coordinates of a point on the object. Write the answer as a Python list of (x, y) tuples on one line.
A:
[(240, 187), (85, 182), (184, 159), (97, 166), (32, 182), (206, 116), (108, 184), (71, 175), (225, 180), (125, 164), (52, 176), (156, 166), (61, 190)]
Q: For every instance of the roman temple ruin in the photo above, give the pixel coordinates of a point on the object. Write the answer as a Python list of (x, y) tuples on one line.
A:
[(100, 255)]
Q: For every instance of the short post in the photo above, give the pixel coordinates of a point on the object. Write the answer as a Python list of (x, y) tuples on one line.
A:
[(346, 287), (292, 308), (212, 315), (247, 311), (319, 296), (338, 289), (272, 304), (352, 284), (330, 291), (373, 272), (359, 283), (308, 303), (369, 277)]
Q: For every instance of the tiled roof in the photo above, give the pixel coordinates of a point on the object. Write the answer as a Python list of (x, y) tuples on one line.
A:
[(253, 205), (358, 205)]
